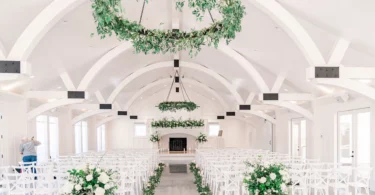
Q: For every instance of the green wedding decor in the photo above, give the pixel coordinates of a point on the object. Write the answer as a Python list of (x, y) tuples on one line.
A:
[(108, 15), (155, 137), (90, 180), (202, 189), (174, 106), (165, 123), (202, 138), (154, 180), (263, 178)]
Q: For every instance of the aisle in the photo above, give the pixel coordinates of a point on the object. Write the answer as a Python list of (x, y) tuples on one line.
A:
[(176, 184)]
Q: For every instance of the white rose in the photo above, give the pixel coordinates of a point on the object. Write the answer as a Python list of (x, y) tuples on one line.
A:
[(89, 177), (103, 178), (273, 176), (107, 186), (262, 180), (78, 187), (99, 191), (251, 169)]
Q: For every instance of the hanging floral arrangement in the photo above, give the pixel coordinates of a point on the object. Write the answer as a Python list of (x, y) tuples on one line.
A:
[(108, 15), (174, 106), (202, 138), (165, 123)]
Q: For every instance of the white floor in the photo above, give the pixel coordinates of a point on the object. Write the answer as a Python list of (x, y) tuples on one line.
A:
[(176, 184)]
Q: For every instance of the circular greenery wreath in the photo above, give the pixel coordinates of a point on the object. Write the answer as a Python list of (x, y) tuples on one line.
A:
[(108, 16), (174, 106)]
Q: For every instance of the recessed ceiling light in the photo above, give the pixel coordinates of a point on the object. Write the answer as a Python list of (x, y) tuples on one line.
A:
[(32, 76), (365, 81), (286, 89), (58, 87), (293, 102)]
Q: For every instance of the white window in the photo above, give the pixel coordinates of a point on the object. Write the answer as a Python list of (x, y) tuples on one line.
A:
[(81, 137), (47, 132), (140, 129), (100, 138), (213, 129)]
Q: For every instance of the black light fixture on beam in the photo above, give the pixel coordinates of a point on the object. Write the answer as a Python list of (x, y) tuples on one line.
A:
[(176, 79), (10, 67), (177, 89), (176, 63), (122, 113)]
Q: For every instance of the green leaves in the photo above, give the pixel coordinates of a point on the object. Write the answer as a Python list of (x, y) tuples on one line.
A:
[(153, 181), (202, 138), (174, 106), (108, 16), (155, 137), (165, 123), (202, 189)]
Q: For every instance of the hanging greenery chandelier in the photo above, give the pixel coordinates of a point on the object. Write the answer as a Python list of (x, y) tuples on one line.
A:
[(109, 19), (187, 104)]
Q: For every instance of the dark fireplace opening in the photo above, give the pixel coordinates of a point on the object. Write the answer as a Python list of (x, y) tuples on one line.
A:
[(177, 144)]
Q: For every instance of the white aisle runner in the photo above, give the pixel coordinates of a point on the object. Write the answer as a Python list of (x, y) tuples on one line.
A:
[(176, 184)]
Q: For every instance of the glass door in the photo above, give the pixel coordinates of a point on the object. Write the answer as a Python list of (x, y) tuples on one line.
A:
[(354, 137), (298, 137)]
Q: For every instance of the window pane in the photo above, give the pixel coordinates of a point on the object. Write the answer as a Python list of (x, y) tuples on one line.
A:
[(54, 137), (303, 138), (363, 138), (84, 136), (213, 129), (295, 134), (78, 137), (345, 138), (140, 129), (42, 136), (103, 138), (99, 138)]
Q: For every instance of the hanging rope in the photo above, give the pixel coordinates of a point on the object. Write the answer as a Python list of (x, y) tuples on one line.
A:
[(213, 21), (170, 89), (184, 90), (143, 8)]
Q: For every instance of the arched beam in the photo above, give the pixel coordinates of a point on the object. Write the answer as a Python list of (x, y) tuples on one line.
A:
[(247, 66), (88, 114), (259, 114), (293, 28), (3, 53), (108, 119), (304, 112), (42, 23), (101, 63), (198, 67), (48, 106), (351, 85)]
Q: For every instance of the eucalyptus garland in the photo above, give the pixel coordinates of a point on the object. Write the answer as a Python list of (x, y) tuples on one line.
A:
[(165, 123), (174, 106), (153, 181), (202, 189), (109, 19)]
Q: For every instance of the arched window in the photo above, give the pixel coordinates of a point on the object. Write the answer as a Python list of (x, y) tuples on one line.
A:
[(47, 132)]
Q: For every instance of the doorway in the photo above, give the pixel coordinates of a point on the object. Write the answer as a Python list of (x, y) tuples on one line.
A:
[(353, 137), (298, 137)]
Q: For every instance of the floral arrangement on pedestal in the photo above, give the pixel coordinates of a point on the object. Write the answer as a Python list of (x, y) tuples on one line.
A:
[(202, 138), (90, 180), (155, 137), (202, 189), (263, 178), (154, 180)]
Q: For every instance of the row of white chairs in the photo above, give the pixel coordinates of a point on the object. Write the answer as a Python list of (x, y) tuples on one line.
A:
[(223, 170), (134, 167)]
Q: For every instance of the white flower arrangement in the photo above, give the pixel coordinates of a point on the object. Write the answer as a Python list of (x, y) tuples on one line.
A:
[(88, 180), (263, 178)]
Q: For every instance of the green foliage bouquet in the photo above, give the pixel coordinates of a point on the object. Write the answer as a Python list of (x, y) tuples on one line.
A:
[(202, 189), (202, 138), (174, 106), (154, 180), (89, 180), (165, 123), (155, 137), (263, 178)]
